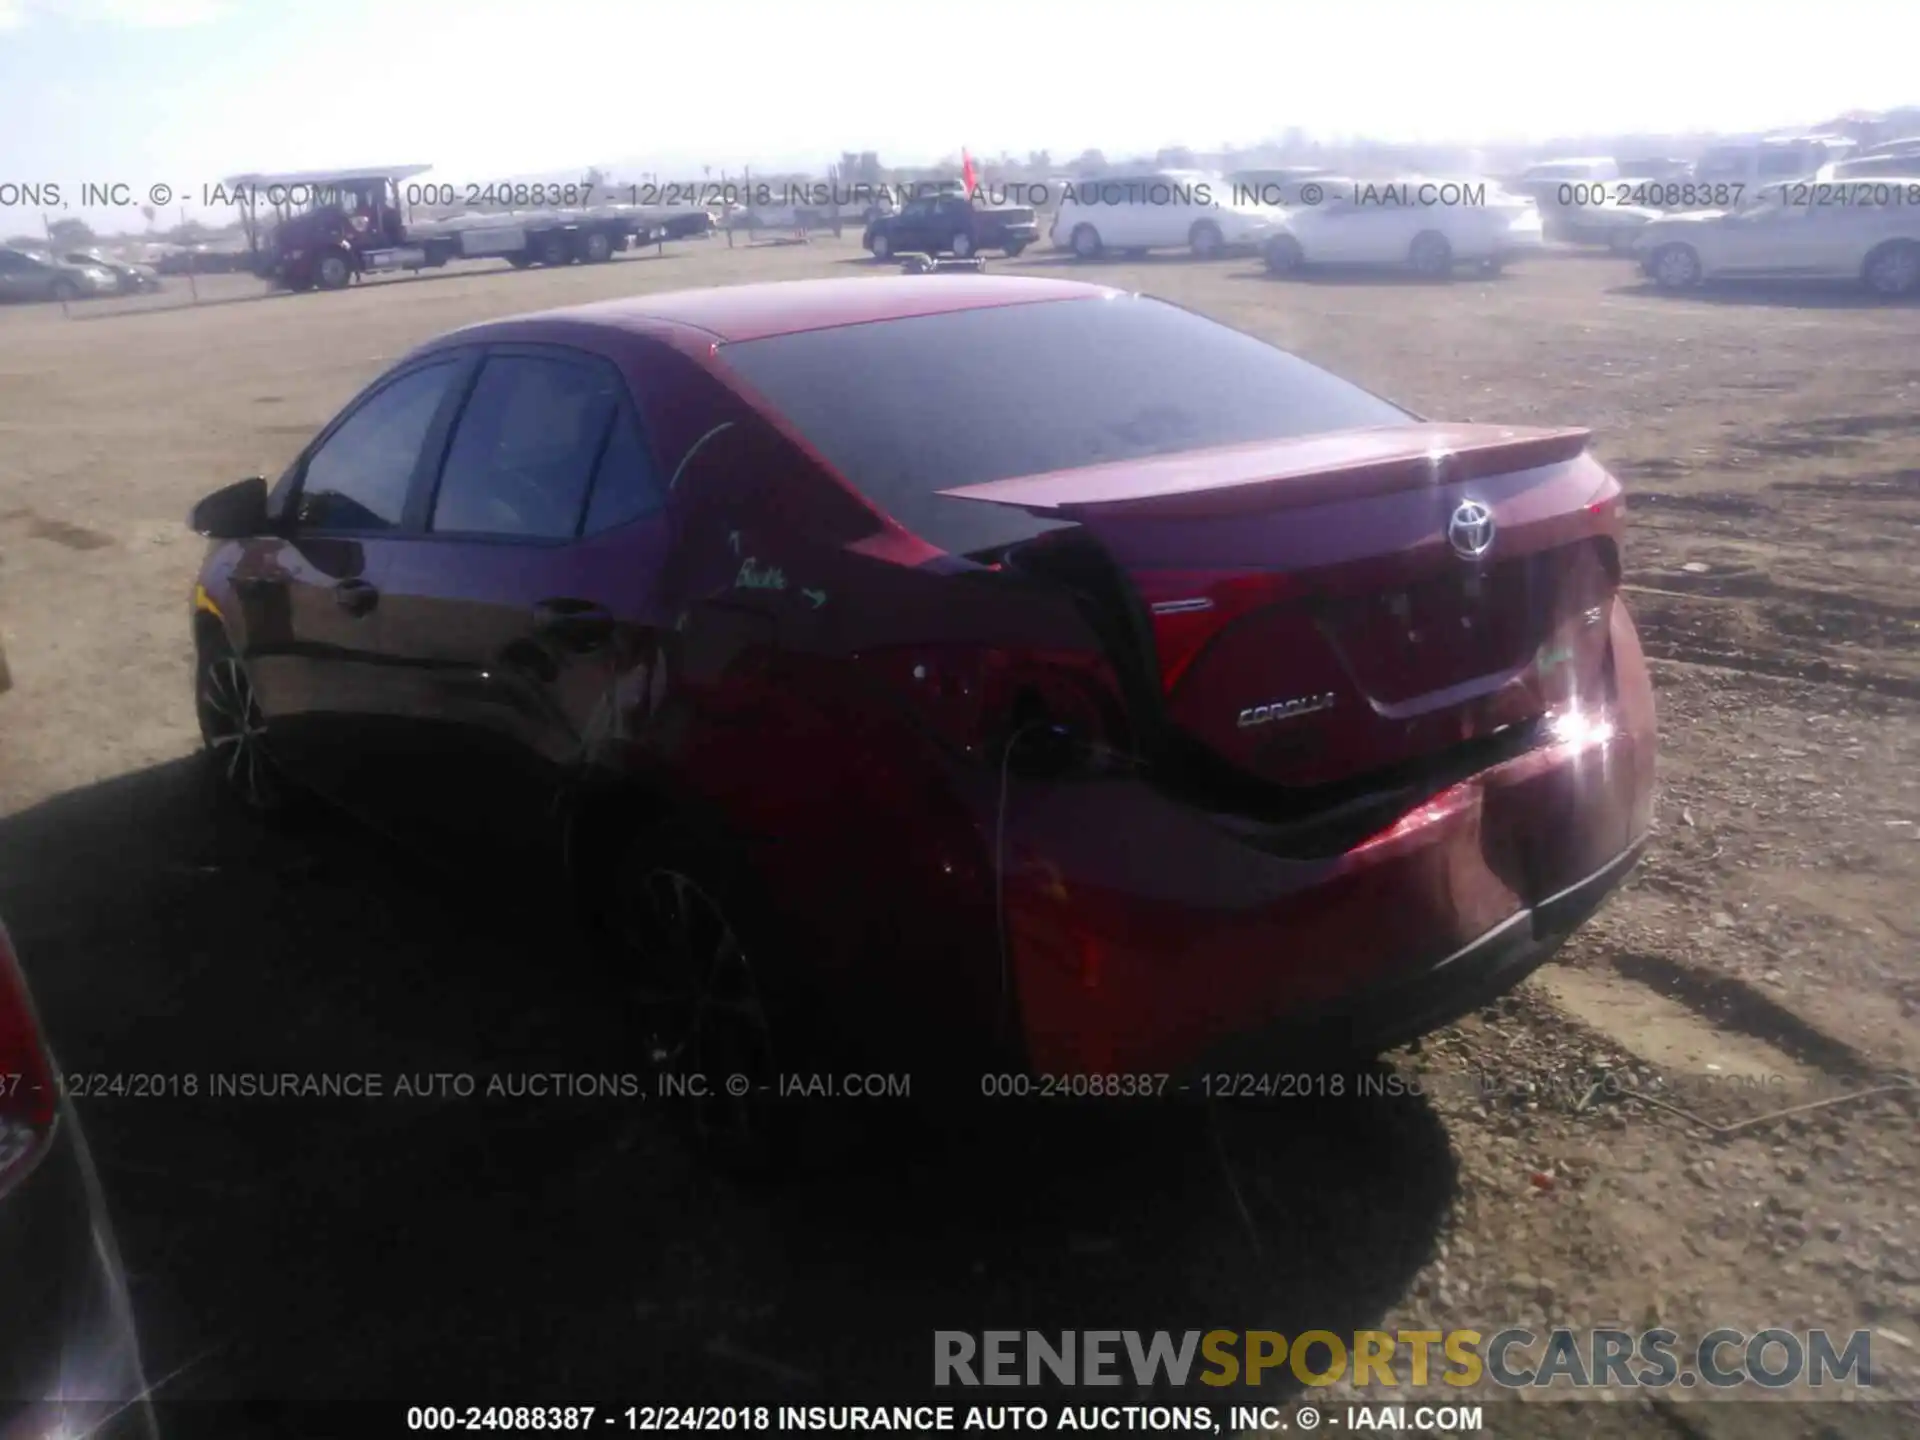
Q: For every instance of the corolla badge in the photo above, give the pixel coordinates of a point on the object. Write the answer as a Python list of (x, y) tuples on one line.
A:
[(1470, 531), (1284, 709)]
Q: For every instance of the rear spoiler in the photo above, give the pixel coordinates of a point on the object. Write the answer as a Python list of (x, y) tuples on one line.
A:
[(1309, 470)]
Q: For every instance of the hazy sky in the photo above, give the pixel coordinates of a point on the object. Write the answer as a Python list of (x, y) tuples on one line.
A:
[(185, 92)]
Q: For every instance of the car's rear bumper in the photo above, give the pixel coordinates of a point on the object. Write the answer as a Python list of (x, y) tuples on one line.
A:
[(1409, 1005), (69, 1361), (1144, 935)]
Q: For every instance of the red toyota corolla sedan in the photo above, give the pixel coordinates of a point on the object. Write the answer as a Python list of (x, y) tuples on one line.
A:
[(995, 668)]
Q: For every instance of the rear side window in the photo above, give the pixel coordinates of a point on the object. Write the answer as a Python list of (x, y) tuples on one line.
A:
[(358, 478), (524, 452), (625, 483), (906, 408)]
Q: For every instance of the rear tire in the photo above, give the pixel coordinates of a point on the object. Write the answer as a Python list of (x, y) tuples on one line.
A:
[(64, 290), (1431, 255), (961, 245), (597, 247), (710, 997), (882, 247), (1206, 241), (1893, 271), (520, 260), (1086, 242), (1283, 255), (552, 249)]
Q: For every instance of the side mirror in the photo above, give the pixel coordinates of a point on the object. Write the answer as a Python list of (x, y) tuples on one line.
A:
[(233, 512)]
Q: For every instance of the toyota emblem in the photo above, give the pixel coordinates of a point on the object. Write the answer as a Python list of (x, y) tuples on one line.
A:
[(1470, 531)]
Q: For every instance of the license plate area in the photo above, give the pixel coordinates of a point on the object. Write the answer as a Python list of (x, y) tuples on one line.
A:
[(1437, 632)]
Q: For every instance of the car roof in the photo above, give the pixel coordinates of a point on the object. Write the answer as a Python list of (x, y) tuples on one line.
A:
[(755, 312)]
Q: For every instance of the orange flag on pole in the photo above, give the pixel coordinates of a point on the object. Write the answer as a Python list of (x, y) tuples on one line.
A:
[(966, 171)]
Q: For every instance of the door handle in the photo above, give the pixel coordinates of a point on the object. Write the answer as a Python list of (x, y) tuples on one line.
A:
[(574, 624), (356, 597)]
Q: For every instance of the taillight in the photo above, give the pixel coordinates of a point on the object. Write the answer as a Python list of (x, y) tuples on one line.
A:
[(27, 1087), (978, 698), (1189, 608)]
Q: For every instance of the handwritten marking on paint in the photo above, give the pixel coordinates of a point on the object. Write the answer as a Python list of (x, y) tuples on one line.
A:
[(818, 597), (755, 577)]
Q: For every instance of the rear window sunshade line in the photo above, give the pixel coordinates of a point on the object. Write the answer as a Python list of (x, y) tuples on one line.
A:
[(694, 449)]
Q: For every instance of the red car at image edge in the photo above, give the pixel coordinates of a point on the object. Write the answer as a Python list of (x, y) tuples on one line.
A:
[(1009, 669)]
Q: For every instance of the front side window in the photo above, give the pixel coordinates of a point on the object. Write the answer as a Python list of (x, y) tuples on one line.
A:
[(524, 451), (358, 478)]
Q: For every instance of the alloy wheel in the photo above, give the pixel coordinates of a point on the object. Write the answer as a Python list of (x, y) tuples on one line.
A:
[(1676, 268), (235, 732), (704, 1014)]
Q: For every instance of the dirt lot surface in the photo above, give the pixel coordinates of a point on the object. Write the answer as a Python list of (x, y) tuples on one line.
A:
[(1764, 958)]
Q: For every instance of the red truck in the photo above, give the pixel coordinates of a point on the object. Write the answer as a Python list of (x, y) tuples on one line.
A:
[(335, 226)]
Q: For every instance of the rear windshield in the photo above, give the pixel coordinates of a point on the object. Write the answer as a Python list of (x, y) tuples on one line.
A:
[(906, 408)]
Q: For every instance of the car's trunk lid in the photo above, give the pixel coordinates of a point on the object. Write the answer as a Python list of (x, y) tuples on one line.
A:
[(1326, 607)]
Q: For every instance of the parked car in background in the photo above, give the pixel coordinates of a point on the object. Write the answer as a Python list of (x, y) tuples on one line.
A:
[(1603, 212), (1864, 231), (1662, 167), (1553, 172), (69, 1357), (224, 258), (131, 278), (1159, 210), (36, 275), (951, 224), (681, 224), (1754, 163), (1280, 185), (1145, 694), (1429, 225), (1896, 157)]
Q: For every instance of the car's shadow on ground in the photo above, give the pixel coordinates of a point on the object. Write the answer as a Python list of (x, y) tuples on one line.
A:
[(1781, 295), (1376, 277), (452, 1248)]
